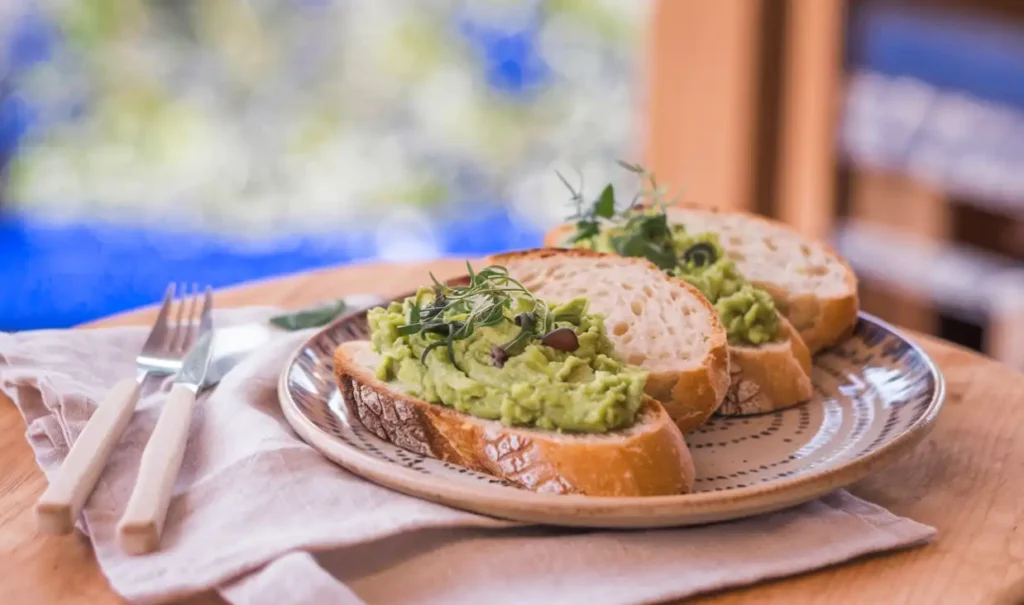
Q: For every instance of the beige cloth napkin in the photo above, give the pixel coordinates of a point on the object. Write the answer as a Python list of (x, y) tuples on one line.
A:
[(252, 500)]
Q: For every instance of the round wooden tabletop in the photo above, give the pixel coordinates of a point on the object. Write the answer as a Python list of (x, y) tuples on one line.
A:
[(966, 479)]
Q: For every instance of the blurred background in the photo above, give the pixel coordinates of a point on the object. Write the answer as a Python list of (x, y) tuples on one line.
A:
[(144, 141)]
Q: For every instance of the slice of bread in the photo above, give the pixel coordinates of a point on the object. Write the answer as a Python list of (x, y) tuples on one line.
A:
[(650, 458), (768, 377), (812, 285), (655, 321)]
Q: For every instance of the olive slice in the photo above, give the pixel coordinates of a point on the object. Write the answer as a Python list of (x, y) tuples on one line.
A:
[(530, 317), (700, 255)]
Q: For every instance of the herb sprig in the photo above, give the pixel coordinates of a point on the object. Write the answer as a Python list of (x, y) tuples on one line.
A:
[(456, 311), (588, 217), (644, 233)]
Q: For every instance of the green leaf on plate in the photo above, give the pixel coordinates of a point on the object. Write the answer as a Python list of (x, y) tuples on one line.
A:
[(310, 317)]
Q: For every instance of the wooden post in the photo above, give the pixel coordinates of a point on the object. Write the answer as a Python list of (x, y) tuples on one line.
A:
[(805, 196), (703, 83)]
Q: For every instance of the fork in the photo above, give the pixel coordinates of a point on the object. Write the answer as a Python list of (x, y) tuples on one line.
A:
[(165, 347)]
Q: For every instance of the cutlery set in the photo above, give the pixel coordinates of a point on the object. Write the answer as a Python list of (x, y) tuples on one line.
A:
[(183, 348), (198, 356)]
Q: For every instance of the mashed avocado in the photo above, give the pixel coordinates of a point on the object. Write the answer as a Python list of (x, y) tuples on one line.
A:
[(749, 316), (502, 371), (747, 312)]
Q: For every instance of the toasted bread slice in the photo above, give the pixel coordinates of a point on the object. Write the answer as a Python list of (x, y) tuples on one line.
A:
[(655, 321), (649, 458), (813, 286), (768, 377)]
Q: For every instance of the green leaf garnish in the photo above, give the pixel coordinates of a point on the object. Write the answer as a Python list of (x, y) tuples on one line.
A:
[(409, 329), (414, 313), (527, 323), (586, 230), (638, 231), (637, 245), (605, 206), (455, 312), (310, 317)]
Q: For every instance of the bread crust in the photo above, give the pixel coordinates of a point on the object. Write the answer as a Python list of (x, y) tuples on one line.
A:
[(650, 459), (690, 396), (822, 321), (769, 377)]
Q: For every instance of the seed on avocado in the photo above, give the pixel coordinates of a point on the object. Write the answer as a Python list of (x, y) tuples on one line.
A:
[(562, 339), (498, 356)]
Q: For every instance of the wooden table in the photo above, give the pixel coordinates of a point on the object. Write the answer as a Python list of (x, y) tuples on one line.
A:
[(966, 479)]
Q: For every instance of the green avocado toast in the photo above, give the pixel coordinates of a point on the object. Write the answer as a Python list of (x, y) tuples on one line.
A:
[(493, 350), (486, 373), (770, 363)]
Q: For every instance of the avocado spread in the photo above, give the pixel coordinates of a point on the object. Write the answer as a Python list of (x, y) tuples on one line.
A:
[(494, 351), (747, 312)]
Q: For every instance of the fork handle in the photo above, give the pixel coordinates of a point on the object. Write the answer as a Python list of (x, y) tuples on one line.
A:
[(143, 520), (59, 506)]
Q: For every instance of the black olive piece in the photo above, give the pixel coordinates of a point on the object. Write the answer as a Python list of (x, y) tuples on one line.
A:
[(701, 254), (562, 339), (521, 317), (498, 356)]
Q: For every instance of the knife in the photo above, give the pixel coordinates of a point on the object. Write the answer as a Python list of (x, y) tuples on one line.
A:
[(142, 523)]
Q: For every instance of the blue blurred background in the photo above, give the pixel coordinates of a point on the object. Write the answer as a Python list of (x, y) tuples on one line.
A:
[(219, 141), (149, 141)]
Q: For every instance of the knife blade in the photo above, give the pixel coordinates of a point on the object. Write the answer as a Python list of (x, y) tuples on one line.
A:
[(196, 363)]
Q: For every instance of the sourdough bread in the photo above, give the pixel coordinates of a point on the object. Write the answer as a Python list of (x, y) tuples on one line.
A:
[(655, 321), (770, 376), (650, 458)]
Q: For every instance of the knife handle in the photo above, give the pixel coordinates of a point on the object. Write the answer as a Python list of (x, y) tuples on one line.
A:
[(143, 520), (59, 506)]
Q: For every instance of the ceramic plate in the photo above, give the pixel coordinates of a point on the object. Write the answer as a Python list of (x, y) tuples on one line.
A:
[(876, 396)]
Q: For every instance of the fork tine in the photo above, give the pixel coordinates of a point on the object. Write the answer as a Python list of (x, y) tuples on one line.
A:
[(181, 330), (205, 318), (181, 340), (192, 318), (159, 330)]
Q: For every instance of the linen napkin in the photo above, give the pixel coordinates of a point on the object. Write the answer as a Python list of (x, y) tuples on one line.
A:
[(264, 519)]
